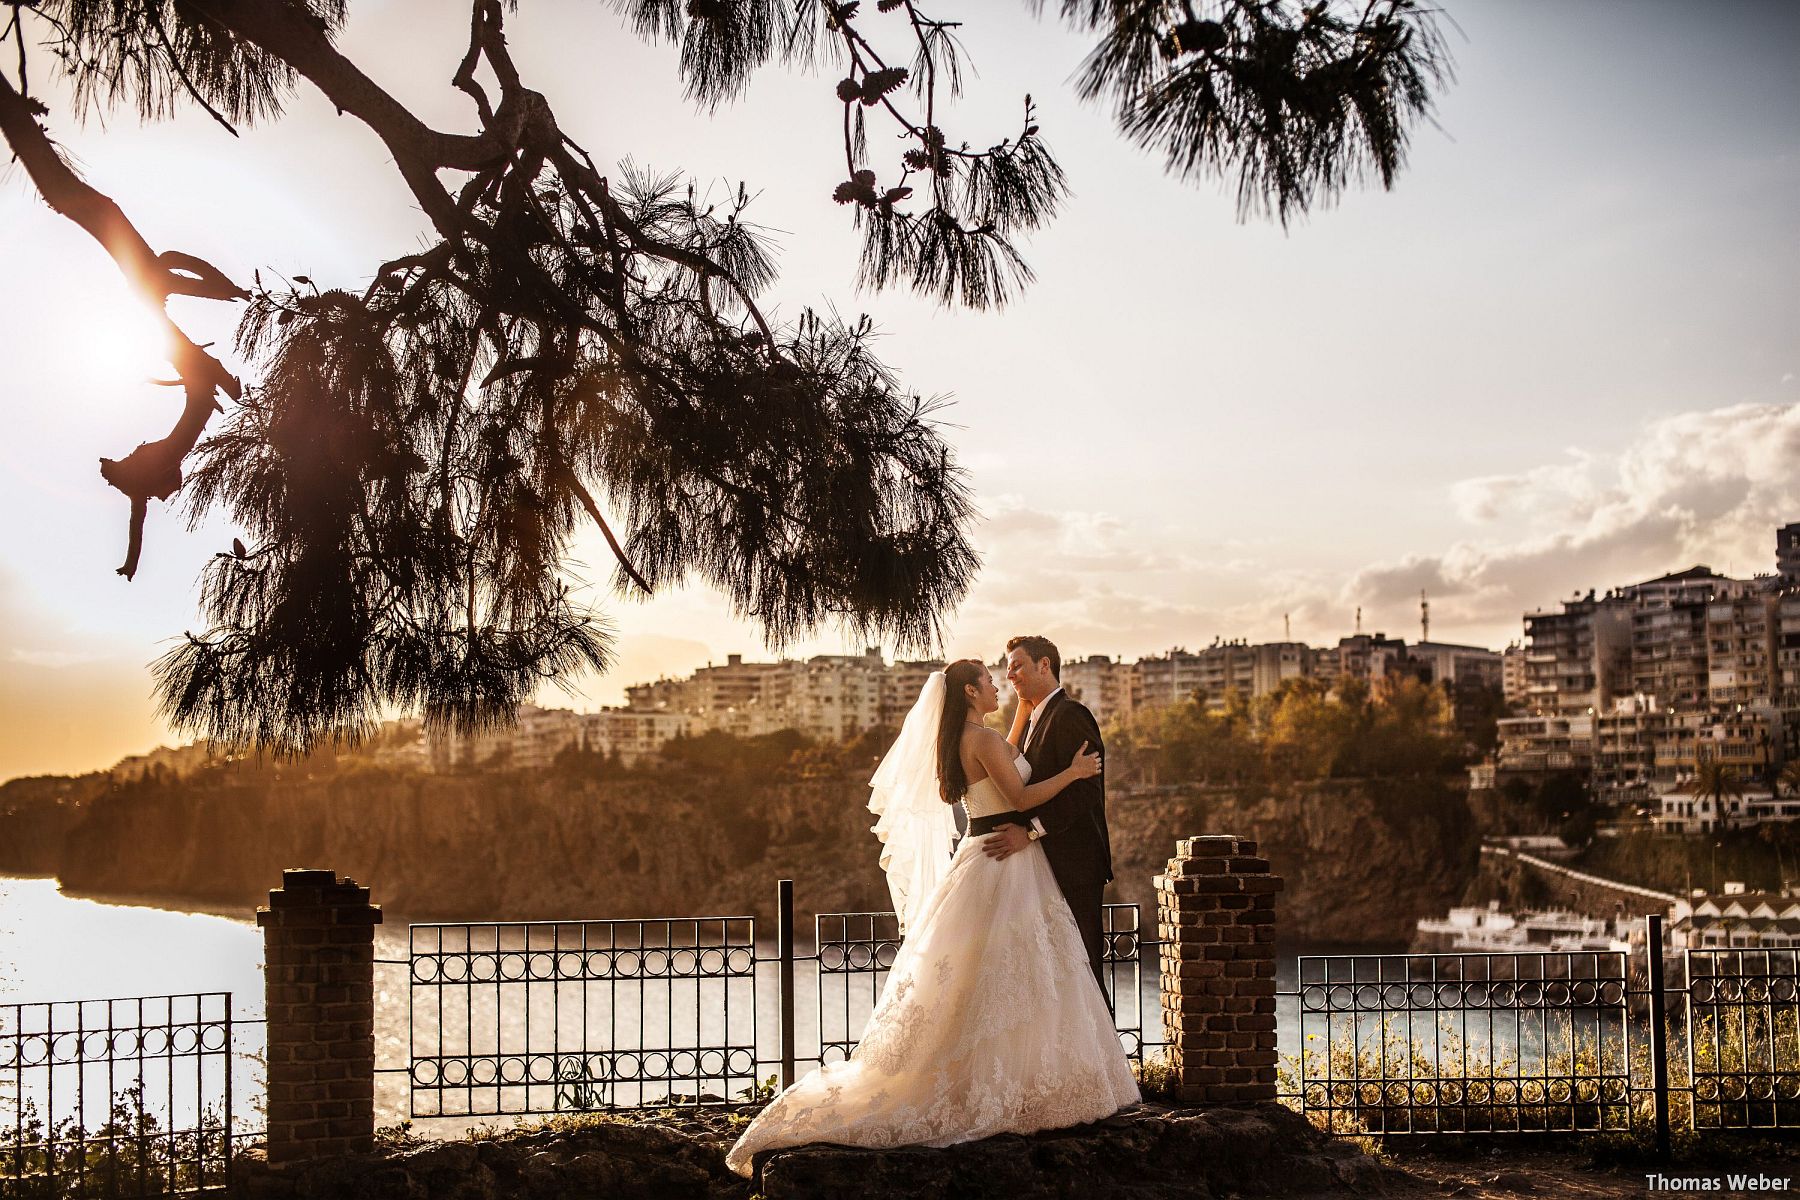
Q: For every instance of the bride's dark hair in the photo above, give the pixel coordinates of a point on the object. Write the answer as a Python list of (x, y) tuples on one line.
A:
[(953, 781)]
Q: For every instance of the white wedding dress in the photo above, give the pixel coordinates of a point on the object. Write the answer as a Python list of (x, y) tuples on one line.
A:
[(990, 1022)]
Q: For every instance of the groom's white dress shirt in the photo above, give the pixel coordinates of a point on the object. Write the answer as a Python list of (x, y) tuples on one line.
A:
[(1030, 730), (1032, 720)]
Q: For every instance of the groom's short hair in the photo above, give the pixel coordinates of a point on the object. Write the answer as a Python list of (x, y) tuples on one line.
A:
[(1038, 647)]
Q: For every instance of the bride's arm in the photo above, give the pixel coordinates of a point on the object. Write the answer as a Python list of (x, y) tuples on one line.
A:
[(997, 756), (1021, 718)]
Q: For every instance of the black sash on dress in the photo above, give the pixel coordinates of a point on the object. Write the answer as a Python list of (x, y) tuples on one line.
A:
[(987, 824)]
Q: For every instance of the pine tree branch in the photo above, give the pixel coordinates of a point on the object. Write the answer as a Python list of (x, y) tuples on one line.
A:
[(154, 468), (593, 511)]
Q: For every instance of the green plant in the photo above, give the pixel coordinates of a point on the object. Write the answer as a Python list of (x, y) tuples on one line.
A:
[(1156, 1078), (762, 1092), (398, 1136), (1406, 1083), (131, 1153), (1745, 1062)]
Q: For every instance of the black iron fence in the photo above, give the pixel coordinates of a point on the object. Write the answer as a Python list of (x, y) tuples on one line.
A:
[(130, 1097), (1547, 1041), (550, 1016), (513, 1018), (1460, 1043), (141, 1096), (1742, 1021), (559, 1016)]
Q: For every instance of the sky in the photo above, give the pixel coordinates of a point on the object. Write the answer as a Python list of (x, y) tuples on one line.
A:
[(1560, 354)]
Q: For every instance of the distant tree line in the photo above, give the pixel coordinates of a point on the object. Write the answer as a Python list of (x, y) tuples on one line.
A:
[(1304, 730)]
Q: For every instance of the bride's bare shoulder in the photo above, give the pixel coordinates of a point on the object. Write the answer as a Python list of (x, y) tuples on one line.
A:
[(979, 743)]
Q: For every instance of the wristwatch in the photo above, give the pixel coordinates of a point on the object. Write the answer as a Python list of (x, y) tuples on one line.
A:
[(1032, 835)]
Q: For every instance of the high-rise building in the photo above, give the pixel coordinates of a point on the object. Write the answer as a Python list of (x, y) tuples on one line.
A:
[(1577, 659), (1787, 651), (1512, 673), (1101, 682), (900, 688), (1278, 662), (1740, 642), (1166, 679), (1668, 637), (1625, 742), (1787, 554)]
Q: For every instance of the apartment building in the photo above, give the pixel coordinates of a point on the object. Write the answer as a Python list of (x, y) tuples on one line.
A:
[(632, 735), (1366, 656), (1462, 666), (1168, 679), (900, 688), (1676, 668), (1105, 684), (1215, 673), (1686, 811), (1741, 635), (1541, 744), (540, 734), (1625, 742), (1577, 658), (1787, 649), (1787, 555), (1668, 640), (1278, 662), (1512, 673)]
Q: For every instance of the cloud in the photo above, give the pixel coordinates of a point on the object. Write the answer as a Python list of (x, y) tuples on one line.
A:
[(1707, 486), (1556, 489), (1095, 582)]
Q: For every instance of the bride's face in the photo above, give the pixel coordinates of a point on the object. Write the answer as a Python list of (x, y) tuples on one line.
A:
[(983, 696)]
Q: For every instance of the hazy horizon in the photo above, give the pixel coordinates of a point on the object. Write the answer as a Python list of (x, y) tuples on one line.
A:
[(1560, 355)]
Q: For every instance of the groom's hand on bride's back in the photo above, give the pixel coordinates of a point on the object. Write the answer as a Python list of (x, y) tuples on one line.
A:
[(1086, 763), (1005, 841)]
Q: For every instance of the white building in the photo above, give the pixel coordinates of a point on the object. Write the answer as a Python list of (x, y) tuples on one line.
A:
[(1736, 919), (1549, 743), (1450, 663), (1685, 811)]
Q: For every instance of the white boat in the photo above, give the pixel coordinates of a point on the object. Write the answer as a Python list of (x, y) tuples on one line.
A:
[(1490, 929)]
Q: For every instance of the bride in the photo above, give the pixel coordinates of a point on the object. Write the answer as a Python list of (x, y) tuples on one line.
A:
[(989, 1021)]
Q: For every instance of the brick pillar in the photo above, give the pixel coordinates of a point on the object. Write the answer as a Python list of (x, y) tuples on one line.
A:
[(1215, 911), (319, 950)]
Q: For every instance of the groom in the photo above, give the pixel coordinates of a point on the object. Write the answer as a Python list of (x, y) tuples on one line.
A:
[(1072, 825)]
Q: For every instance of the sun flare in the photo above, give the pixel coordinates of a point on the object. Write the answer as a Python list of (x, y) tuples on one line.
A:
[(124, 344)]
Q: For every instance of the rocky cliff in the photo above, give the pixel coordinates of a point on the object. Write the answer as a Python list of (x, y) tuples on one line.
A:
[(1362, 860), (36, 814)]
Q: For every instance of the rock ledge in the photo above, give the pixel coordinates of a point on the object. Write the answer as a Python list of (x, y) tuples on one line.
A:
[(1147, 1152)]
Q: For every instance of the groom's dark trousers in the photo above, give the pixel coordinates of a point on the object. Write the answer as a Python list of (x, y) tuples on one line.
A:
[(1075, 836)]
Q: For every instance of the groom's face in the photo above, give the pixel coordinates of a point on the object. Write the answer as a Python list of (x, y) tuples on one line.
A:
[(1030, 679)]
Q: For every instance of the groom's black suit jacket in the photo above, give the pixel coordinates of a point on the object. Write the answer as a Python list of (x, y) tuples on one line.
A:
[(1075, 836)]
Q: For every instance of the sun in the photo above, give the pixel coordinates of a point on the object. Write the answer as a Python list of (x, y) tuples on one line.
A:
[(124, 343)]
